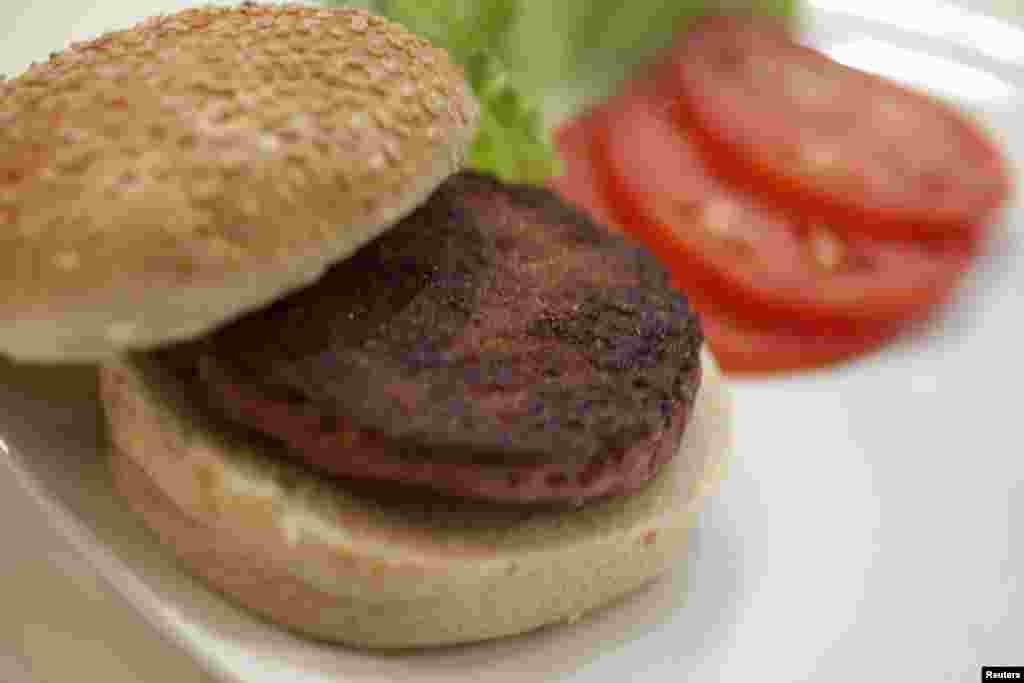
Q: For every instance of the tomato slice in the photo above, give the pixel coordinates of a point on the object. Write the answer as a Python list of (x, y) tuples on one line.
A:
[(743, 348), (581, 182), (766, 264), (739, 346), (863, 152)]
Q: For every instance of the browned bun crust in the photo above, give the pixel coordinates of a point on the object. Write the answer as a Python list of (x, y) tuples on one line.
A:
[(386, 570), (159, 180)]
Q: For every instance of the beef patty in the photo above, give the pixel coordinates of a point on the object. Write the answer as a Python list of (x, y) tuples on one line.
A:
[(496, 343)]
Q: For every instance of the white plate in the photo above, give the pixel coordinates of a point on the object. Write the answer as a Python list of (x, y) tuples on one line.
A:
[(870, 526)]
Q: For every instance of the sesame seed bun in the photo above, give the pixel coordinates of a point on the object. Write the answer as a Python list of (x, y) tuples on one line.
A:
[(329, 560), (158, 181)]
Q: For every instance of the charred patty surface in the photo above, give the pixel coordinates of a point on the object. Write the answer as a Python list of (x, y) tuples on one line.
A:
[(495, 343)]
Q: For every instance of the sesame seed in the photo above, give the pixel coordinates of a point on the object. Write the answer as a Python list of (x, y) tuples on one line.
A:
[(377, 161), (359, 120), (392, 151), (359, 23), (300, 121), (407, 89), (268, 142), (67, 260), (437, 102), (122, 331)]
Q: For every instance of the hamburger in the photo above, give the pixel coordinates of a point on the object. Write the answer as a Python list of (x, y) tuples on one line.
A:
[(359, 390)]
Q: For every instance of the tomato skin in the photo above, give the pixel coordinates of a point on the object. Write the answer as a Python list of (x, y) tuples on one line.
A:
[(762, 263), (787, 122), (582, 182), (742, 348), (774, 316)]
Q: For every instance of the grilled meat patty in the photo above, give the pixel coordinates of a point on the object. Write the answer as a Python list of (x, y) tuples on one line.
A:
[(495, 344)]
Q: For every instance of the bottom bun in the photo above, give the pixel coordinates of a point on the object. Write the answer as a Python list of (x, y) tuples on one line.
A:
[(389, 566)]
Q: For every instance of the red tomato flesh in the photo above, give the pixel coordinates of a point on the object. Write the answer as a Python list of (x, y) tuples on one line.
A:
[(743, 348), (739, 347), (862, 152), (766, 264), (581, 182)]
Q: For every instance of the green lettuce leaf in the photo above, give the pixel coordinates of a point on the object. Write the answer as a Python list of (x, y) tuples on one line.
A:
[(576, 52), (512, 141), (531, 63)]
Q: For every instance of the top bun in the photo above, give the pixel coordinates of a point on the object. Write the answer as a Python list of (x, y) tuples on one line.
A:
[(158, 181)]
